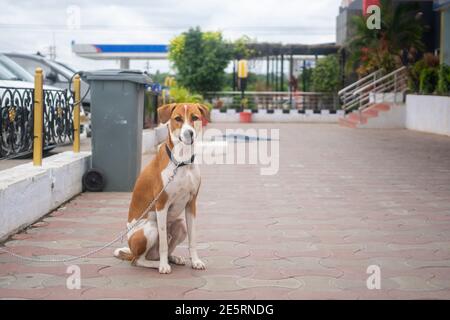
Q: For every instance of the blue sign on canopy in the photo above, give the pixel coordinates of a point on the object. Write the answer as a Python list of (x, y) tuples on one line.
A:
[(132, 48)]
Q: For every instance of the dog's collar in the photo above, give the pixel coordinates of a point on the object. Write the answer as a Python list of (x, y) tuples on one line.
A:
[(175, 162)]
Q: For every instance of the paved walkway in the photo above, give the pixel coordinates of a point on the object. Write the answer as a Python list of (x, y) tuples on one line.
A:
[(343, 200)]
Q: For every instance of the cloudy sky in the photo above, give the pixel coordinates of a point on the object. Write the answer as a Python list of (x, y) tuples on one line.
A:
[(30, 26)]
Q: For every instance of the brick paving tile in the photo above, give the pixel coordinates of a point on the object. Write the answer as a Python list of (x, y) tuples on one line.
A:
[(341, 201)]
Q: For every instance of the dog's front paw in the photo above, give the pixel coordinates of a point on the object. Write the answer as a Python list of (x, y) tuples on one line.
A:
[(198, 265), (164, 268)]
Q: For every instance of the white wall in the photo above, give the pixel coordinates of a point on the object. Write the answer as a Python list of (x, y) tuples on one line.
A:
[(428, 114), (151, 138), (27, 193)]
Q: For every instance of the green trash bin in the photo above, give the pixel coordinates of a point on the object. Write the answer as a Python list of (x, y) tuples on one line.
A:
[(117, 102)]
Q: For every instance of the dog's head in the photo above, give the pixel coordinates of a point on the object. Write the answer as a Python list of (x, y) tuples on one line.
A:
[(184, 120)]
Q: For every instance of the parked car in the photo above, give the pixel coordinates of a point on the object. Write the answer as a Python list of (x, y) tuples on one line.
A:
[(10, 78), (56, 74), (62, 64), (13, 75), (19, 73)]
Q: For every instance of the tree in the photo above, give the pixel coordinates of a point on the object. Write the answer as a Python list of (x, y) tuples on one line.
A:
[(241, 48), (400, 32), (159, 77), (200, 59), (325, 75)]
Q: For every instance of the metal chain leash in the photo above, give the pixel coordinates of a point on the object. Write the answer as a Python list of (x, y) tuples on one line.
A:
[(119, 237)]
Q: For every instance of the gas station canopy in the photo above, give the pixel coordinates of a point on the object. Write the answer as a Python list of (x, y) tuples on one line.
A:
[(119, 51)]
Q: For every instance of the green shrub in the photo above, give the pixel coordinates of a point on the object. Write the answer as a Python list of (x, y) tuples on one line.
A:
[(443, 85), (428, 80), (248, 102), (325, 75), (414, 75), (180, 95), (426, 76)]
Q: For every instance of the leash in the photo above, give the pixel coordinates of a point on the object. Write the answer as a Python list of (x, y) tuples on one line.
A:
[(119, 237)]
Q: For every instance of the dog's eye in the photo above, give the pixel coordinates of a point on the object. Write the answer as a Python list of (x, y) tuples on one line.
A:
[(179, 119), (194, 118)]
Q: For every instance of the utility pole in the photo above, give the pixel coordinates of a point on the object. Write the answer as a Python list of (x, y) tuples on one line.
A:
[(52, 48), (282, 73)]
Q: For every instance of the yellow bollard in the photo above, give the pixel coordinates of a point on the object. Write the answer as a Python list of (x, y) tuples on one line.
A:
[(38, 114), (76, 113)]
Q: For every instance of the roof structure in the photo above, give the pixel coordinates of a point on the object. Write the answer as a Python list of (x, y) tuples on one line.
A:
[(160, 51), (273, 49)]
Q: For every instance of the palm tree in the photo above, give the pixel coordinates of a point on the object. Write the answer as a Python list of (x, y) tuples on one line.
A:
[(400, 35)]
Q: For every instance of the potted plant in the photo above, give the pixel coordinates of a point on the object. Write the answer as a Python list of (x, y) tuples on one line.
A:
[(204, 120), (245, 116), (220, 105)]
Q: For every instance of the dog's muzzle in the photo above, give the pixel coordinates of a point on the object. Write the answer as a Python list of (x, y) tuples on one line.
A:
[(188, 136)]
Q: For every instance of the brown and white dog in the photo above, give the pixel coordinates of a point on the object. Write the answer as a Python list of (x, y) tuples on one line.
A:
[(163, 228)]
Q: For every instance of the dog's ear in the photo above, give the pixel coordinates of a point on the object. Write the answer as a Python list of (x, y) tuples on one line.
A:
[(165, 111), (204, 111)]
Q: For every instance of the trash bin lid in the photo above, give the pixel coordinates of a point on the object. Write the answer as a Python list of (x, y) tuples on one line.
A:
[(136, 76)]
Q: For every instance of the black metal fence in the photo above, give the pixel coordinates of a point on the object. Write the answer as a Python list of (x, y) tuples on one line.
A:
[(16, 120)]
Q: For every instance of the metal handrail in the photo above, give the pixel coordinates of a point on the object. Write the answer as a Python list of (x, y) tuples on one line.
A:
[(360, 96), (369, 76), (393, 73)]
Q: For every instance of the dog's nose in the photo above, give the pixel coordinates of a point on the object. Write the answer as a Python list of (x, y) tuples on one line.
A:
[(188, 134)]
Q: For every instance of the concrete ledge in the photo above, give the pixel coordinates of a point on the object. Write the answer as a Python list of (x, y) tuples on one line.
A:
[(27, 193), (278, 116)]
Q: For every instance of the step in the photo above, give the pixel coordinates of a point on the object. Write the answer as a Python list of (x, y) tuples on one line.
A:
[(355, 117), (346, 122), (370, 112), (380, 107)]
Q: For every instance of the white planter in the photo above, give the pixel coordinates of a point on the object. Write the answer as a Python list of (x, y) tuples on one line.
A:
[(385, 97), (229, 116)]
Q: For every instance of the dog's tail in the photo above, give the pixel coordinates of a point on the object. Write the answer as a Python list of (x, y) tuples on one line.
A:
[(123, 253)]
